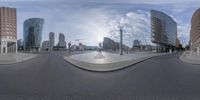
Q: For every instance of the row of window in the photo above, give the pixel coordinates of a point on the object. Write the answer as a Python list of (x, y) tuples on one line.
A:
[(7, 31), (8, 37), (8, 21), (8, 12), (7, 26)]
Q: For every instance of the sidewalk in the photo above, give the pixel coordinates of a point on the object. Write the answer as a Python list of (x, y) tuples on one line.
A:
[(109, 61), (11, 58), (193, 58)]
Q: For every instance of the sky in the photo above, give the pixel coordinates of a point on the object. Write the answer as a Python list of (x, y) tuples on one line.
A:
[(91, 20)]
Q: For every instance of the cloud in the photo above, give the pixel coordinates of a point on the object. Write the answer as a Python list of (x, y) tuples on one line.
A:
[(185, 6), (135, 25), (110, 1), (184, 33), (80, 21), (94, 19), (87, 24)]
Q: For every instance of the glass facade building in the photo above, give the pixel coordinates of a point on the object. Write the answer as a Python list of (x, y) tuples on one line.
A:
[(33, 33), (163, 31)]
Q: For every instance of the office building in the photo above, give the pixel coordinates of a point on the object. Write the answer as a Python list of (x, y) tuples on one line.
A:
[(61, 42), (19, 45), (163, 31), (33, 34), (136, 43), (51, 40), (8, 30), (46, 45), (177, 43), (195, 32), (109, 44)]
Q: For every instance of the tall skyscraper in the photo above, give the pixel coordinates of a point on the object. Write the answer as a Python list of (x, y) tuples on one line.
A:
[(61, 42), (33, 34), (163, 31), (51, 39), (195, 32), (8, 30)]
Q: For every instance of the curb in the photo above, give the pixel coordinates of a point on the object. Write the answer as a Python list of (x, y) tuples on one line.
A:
[(108, 69), (185, 60), (20, 61)]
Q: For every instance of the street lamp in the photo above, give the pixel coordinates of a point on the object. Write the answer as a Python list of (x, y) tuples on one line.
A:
[(100, 47), (121, 41), (69, 47), (191, 49)]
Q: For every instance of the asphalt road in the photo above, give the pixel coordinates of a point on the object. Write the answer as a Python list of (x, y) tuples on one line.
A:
[(50, 77)]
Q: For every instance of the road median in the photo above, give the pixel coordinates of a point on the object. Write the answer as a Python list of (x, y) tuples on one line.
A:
[(96, 66), (193, 58)]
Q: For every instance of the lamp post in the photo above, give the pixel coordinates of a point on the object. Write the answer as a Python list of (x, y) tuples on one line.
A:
[(121, 41), (191, 49), (69, 47), (99, 47)]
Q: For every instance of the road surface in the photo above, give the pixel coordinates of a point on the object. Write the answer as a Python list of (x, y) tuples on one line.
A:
[(50, 77)]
